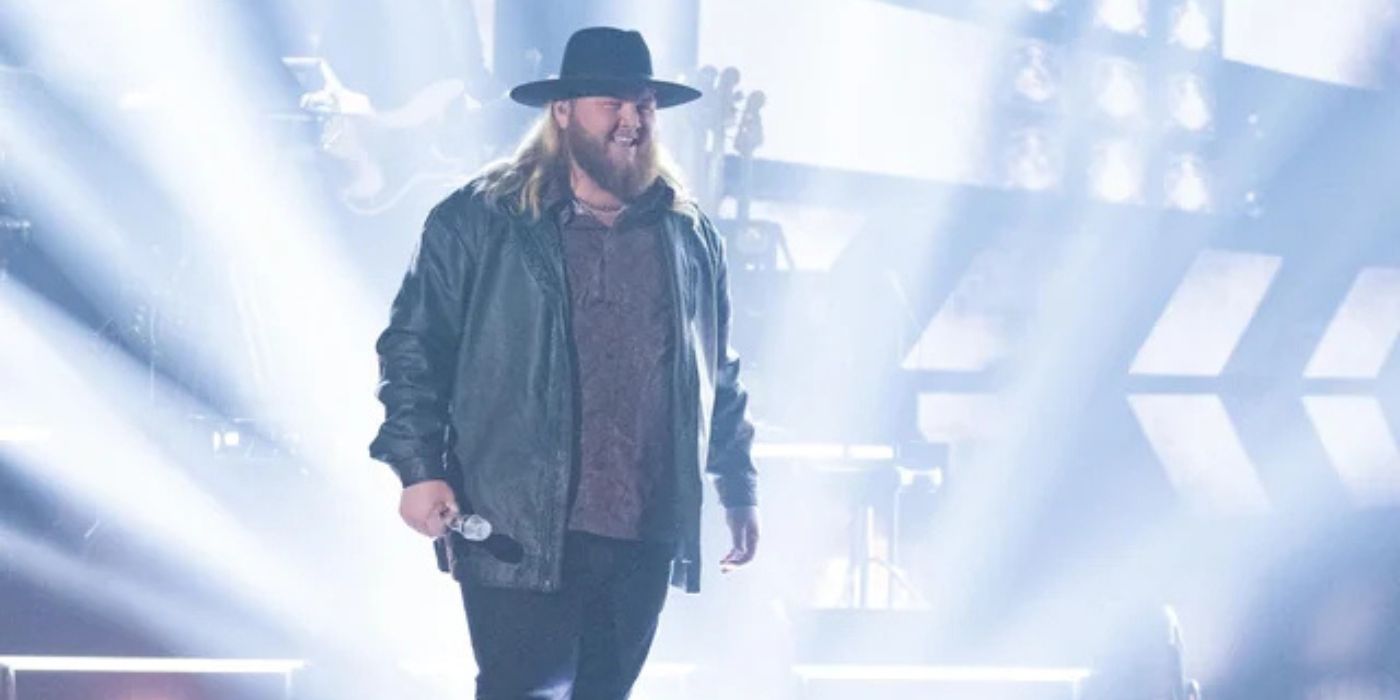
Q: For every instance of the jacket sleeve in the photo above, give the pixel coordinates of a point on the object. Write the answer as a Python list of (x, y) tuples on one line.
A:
[(417, 354), (731, 431)]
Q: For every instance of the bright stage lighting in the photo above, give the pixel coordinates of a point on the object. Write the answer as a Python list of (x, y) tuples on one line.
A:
[(1208, 314), (1190, 26), (24, 433), (1037, 74), (1358, 441), (1363, 332), (1253, 205), (1195, 438), (1119, 89), (1115, 173), (1187, 102), (1186, 185), (1122, 16), (960, 674), (225, 440), (120, 664)]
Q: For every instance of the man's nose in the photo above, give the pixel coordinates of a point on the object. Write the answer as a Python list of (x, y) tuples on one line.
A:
[(628, 117)]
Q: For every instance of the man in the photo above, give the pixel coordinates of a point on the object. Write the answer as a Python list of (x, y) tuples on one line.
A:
[(557, 363)]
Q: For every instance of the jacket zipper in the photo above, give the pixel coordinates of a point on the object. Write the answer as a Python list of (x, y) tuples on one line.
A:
[(559, 520)]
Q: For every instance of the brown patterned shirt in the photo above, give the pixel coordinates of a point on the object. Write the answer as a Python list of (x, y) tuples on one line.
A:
[(624, 338)]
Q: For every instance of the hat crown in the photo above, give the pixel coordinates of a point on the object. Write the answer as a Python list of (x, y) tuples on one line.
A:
[(603, 61), (606, 52)]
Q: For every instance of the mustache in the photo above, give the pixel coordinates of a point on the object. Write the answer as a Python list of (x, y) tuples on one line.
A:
[(636, 133)]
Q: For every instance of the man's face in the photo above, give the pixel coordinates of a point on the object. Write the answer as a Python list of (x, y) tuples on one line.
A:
[(612, 140)]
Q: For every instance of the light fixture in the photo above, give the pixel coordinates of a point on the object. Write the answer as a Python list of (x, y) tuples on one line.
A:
[(1186, 184), (1253, 204), (1191, 26), (1187, 102), (1037, 74), (757, 245), (1031, 160), (1119, 88), (1122, 16), (226, 440), (1115, 173)]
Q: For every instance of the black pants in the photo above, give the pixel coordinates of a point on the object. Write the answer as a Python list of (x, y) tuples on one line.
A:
[(586, 642)]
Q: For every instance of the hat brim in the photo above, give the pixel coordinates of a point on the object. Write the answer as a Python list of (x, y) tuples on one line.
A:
[(541, 92)]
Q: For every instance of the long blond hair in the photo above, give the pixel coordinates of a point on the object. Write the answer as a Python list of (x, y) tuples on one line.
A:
[(518, 184)]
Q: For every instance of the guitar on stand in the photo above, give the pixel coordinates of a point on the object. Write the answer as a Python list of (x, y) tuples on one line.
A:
[(706, 137), (722, 112), (759, 244), (747, 138), (387, 155)]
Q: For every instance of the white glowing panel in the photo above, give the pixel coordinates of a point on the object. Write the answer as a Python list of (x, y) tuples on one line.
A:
[(870, 452), (860, 85), (822, 451), (1193, 436), (1207, 315), (817, 451), (132, 664), (1358, 441), (1361, 336), (968, 333), (955, 418), (1333, 40), (24, 433), (958, 340), (963, 674)]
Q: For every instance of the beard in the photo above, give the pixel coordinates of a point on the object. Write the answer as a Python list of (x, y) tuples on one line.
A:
[(624, 177)]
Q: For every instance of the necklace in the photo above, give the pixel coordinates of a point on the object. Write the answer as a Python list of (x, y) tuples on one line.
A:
[(583, 207)]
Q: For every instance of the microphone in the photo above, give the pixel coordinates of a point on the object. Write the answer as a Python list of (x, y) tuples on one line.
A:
[(477, 531)]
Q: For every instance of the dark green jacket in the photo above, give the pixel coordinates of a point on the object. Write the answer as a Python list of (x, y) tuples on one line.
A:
[(478, 381)]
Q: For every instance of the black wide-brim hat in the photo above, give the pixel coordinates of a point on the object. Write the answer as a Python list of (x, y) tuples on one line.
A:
[(603, 61)]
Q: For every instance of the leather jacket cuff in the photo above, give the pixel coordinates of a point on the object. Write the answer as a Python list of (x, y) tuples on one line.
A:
[(737, 491), (417, 470)]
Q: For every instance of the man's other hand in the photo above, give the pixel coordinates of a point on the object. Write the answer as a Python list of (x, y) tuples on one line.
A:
[(743, 527), (427, 506)]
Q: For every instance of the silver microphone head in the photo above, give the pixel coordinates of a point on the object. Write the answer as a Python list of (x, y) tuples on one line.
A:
[(471, 526)]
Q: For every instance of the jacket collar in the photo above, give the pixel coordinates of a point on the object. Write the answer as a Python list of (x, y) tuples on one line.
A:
[(557, 196)]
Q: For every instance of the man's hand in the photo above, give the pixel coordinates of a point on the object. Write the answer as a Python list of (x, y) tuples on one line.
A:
[(743, 527), (427, 506)]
